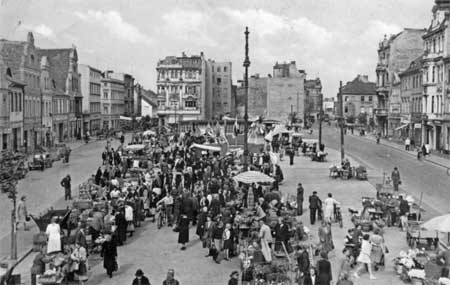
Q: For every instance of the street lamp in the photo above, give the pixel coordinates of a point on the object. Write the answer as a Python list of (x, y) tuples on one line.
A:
[(246, 65)]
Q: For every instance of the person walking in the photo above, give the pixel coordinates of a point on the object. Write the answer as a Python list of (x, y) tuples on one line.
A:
[(66, 184), (183, 234), (303, 263), (170, 279), (364, 257), (109, 254), (300, 198), (324, 274), (22, 213), (395, 176), (314, 205), (407, 143), (329, 205), (140, 279)]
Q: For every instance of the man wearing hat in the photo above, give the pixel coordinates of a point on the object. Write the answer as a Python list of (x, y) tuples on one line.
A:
[(315, 204), (300, 193), (140, 278), (234, 278)]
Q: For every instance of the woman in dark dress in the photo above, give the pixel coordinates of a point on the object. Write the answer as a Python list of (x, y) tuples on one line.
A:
[(201, 221), (324, 270), (109, 254), (121, 223), (183, 234)]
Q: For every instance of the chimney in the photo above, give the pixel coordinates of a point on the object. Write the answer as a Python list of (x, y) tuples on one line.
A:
[(363, 78)]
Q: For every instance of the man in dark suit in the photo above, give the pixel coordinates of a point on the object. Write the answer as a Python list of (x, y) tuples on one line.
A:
[(315, 204), (303, 263), (282, 235)]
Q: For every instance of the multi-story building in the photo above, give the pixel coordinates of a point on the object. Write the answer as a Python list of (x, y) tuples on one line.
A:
[(148, 103), (112, 99), (411, 93), (181, 88), (359, 97), (218, 98), (313, 91), (137, 97), (65, 80), (285, 91), (329, 108), (22, 60), (394, 56), (91, 91), (436, 78), (11, 107), (128, 81), (257, 97)]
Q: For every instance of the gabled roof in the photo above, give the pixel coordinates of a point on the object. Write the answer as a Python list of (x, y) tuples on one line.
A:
[(12, 53), (59, 62), (359, 87)]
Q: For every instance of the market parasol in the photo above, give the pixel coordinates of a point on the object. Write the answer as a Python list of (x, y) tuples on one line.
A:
[(135, 147), (440, 224), (249, 177), (149, 133)]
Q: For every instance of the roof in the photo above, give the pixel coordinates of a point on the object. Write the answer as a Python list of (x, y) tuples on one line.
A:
[(12, 53), (359, 87), (59, 61), (149, 97), (414, 66)]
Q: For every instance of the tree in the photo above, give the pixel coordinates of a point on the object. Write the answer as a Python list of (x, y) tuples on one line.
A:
[(350, 119), (362, 118), (12, 169)]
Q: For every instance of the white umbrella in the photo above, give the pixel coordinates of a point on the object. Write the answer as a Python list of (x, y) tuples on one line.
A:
[(135, 147), (149, 133), (440, 224), (253, 177)]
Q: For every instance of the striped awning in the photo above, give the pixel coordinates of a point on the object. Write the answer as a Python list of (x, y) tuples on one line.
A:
[(401, 127)]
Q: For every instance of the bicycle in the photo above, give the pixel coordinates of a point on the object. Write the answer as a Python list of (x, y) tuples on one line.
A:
[(162, 218)]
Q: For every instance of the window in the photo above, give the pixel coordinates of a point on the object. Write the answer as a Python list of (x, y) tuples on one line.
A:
[(105, 109), (432, 104), (433, 74), (362, 98), (346, 109), (105, 94), (224, 69), (11, 99), (218, 69), (219, 80), (190, 104), (370, 98), (345, 98)]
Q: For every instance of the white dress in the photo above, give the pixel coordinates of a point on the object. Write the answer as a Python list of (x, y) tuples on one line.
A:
[(53, 232), (364, 255), (329, 208)]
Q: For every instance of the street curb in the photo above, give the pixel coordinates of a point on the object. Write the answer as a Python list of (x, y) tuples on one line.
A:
[(411, 154)]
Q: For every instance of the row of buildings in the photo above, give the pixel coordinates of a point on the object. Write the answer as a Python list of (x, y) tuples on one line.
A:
[(411, 95), (48, 97), (195, 88)]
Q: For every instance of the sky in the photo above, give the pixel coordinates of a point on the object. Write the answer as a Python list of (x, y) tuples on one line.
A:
[(331, 39)]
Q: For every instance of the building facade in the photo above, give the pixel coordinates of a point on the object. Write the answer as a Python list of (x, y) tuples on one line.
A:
[(411, 94), (112, 100), (436, 76), (359, 97), (219, 102), (91, 91), (149, 105), (313, 91), (63, 71), (11, 108), (181, 88), (285, 91), (137, 97), (394, 56), (128, 81)]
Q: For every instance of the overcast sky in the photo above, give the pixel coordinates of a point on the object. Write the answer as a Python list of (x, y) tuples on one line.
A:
[(332, 39)]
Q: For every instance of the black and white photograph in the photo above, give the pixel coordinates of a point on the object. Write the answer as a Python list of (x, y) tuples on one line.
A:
[(210, 142)]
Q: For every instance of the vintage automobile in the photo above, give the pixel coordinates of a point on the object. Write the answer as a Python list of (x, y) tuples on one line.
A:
[(40, 161)]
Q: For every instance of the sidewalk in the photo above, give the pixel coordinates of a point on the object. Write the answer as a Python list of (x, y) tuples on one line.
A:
[(435, 158), (25, 238)]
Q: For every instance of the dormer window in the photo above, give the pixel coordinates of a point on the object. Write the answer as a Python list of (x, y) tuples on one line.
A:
[(53, 84), (8, 72), (32, 59)]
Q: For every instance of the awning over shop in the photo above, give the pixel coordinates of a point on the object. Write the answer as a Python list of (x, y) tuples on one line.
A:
[(401, 127)]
